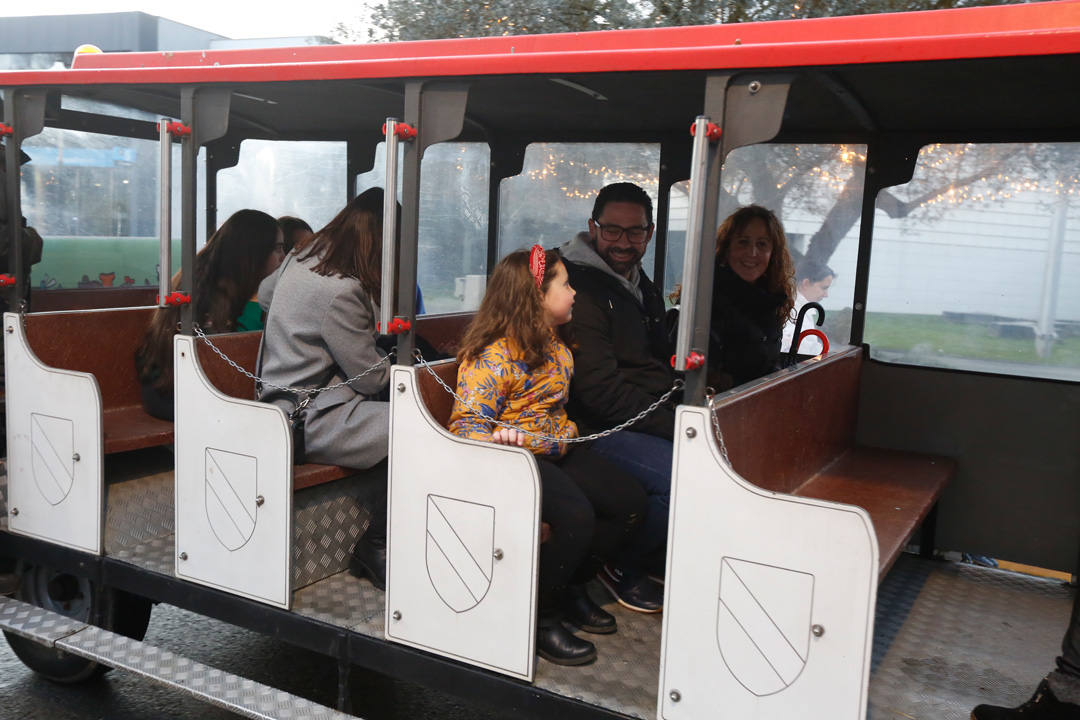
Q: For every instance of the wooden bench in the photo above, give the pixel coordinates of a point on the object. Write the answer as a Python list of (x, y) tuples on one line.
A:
[(103, 343), (795, 432)]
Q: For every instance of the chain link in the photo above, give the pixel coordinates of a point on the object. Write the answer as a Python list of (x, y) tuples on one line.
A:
[(549, 438), (307, 392), (716, 428)]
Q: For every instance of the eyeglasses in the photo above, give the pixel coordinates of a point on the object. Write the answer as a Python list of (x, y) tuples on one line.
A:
[(635, 235)]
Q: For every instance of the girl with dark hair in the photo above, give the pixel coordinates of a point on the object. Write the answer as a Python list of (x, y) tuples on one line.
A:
[(753, 294), (294, 230), (516, 368), (244, 250), (320, 331)]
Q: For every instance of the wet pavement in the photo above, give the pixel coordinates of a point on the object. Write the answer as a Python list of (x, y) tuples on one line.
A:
[(124, 696)]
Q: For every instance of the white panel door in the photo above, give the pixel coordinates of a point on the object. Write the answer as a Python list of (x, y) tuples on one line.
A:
[(54, 439), (769, 601), (464, 523), (233, 487)]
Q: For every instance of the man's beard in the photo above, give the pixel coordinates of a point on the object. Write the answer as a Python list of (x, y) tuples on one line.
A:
[(625, 260)]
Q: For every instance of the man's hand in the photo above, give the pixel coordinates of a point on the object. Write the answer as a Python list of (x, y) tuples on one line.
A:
[(508, 436)]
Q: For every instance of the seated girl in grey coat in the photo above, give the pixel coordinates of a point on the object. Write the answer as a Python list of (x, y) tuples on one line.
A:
[(320, 331)]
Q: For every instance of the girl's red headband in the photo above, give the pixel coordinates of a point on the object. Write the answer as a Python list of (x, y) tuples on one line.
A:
[(538, 264)]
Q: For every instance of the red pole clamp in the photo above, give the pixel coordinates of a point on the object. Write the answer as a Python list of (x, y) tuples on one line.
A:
[(6, 130), (7, 281), (819, 335), (175, 298), (694, 360), (712, 131), (403, 131), (176, 129), (395, 326)]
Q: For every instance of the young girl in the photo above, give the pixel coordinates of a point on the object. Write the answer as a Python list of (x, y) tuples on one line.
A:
[(515, 368)]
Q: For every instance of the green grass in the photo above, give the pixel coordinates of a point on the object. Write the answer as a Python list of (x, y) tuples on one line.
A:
[(935, 334)]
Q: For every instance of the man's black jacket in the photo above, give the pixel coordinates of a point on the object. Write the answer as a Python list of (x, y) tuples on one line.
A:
[(622, 359)]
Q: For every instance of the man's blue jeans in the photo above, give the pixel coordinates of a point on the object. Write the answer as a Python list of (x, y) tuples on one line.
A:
[(648, 459)]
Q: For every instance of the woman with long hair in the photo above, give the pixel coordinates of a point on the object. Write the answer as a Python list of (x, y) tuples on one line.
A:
[(244, 250), (320, 331), (516, 368), (753, 294)]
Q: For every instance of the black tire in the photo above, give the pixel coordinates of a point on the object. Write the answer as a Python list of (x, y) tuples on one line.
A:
[(81, 599)]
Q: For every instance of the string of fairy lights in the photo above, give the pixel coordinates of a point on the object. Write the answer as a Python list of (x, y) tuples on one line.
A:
[(945, 167)]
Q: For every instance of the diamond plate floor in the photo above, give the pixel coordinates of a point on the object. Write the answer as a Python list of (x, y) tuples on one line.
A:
[(947, 637)]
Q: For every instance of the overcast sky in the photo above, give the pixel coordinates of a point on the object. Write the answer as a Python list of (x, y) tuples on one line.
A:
[(232, 18)]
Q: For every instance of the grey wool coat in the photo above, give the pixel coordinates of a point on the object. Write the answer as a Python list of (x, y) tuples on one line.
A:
[(320, 331)]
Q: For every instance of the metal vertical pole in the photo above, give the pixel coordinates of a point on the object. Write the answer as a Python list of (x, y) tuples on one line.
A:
[(389, 226), (13, 191), (189, 156), (165, 214), (410, 218), (691, 255)]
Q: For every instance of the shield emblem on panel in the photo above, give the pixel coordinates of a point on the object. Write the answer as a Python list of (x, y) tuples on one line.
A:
[(52, 456), (763, 623), (460, 544), (231, 488)]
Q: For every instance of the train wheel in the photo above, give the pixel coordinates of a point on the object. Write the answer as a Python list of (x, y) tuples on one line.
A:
[(78, 598)]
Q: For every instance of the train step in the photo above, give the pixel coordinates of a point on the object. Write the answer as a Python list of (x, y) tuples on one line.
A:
[(238, 694)]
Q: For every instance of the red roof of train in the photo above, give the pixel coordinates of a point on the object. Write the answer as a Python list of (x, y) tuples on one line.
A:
[(1010, 30)]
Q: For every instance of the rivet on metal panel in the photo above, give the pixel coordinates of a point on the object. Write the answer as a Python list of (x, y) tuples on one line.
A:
[(14, 511), (259, 500), (691, 433), (818, 630), (498, 554), (675, 696), (183, 354), (396, 615), (183, 556), (76, 457), (754, 87), (858, 306), (401, 387), (10, 329)]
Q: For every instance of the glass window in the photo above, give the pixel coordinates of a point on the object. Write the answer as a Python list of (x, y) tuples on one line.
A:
[(552, 198), (302, 179), (816, 192), (451, 267), (94, 200), (975, 262)]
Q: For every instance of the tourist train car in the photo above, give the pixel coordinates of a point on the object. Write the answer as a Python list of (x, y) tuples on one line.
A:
[(929, 158)]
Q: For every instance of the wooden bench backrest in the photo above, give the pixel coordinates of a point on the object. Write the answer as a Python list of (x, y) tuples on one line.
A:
[(101, 342), (438, 402), (444, 331), (243, 349), (784, 430)]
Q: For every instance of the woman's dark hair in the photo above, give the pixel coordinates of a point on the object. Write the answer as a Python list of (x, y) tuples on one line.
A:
[(779, 277), (228, 271), (813, 271), (513, 307), (289, 227), (351, 244)]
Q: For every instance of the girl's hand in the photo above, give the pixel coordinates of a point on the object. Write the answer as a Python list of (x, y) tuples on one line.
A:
[(508, 436)]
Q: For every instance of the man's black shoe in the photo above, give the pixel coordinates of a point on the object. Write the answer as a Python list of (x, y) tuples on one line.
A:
[(369, 560), (1042, 706), (636, 593), (556, 644), (580, 611)]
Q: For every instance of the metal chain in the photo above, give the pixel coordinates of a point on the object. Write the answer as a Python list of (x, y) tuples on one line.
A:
[(549, 438), (298, 391), (716, 429)]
